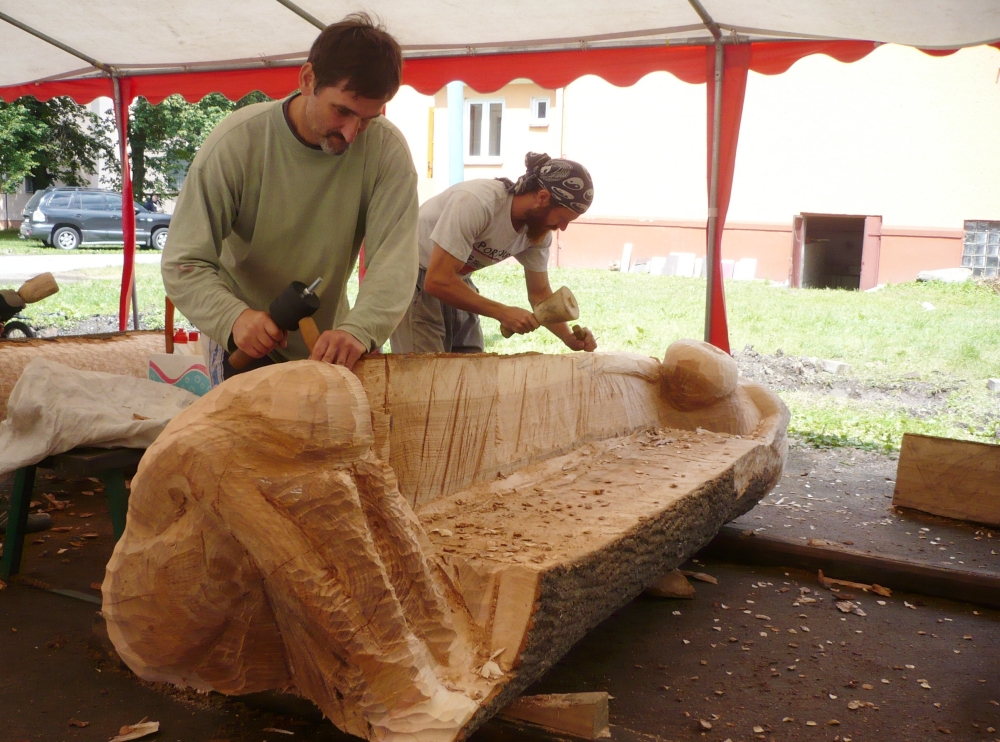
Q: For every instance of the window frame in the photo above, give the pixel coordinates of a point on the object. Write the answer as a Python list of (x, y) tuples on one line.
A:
[(539, 122), (484, 131)]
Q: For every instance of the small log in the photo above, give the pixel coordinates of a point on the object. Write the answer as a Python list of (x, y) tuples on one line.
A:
[(581, 714), (671, 585), (954, 479)]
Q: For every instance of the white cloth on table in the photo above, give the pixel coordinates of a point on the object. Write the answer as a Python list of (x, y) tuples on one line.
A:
[(54, 408)]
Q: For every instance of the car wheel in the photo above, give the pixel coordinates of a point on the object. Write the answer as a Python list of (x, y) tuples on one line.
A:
[(158, 239), (17, 330), (66, 238)]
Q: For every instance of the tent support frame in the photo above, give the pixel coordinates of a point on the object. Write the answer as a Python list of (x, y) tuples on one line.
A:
[(711, 258), (128, 235)]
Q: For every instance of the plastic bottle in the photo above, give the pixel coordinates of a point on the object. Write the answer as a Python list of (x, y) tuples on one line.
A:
[(181, 342)]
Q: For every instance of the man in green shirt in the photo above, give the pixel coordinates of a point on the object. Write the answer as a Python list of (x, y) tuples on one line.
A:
[(286, 191)]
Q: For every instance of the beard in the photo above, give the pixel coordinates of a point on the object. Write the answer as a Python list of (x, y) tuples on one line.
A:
[(537, 223), (333, 143)]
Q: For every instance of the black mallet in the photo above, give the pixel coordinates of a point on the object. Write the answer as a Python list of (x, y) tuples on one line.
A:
[(292, 310)]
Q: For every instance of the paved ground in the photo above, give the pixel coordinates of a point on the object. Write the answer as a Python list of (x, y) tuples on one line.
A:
[(845, 496), (14, 268), (746, 653)]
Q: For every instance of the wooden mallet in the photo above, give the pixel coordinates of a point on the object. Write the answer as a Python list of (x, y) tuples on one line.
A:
[(560, 307), (34, 289), (292, 310)]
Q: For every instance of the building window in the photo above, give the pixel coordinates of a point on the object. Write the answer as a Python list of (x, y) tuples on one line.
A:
[(981, 251), (540, 111), (484, 119), (29, 184)]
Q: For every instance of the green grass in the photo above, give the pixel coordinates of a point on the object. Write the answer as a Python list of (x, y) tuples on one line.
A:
[(884, 334), (888, 337), (99, 295)]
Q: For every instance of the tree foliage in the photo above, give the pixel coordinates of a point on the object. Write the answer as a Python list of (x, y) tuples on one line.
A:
[(50, 141), (165, 138)]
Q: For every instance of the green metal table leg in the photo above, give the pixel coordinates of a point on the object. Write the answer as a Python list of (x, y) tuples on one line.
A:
[(114, 488), (17, 520)]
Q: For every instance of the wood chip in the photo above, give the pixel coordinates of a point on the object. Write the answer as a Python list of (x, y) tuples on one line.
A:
[(85, 515), (136, 731), (78, 723), (61, 529), (277, 731), (89, 535), (700, 576)]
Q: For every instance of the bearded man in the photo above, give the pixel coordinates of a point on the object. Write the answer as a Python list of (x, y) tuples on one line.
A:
[(479, 223), (287, 191)]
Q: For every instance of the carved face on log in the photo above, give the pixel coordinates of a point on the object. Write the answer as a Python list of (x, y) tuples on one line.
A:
[(276, 551)]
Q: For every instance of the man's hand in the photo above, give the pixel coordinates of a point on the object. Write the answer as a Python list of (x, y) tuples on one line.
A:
[(256, 334), (518, 320), (587, 342), (338, 347)]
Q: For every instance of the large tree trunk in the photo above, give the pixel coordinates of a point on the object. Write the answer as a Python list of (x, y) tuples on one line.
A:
[(410, 550)]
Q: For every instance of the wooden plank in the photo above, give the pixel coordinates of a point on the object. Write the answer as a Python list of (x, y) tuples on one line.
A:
[(581, 714), (954, 479), (897, 574)]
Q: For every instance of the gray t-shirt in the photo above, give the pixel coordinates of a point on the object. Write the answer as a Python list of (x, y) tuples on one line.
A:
[(471, 222)]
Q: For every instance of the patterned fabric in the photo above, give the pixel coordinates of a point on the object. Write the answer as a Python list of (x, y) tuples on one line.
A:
[(568, 182)]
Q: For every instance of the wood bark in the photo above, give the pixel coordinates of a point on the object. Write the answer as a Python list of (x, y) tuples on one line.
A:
[(411, 547), (125, 353)]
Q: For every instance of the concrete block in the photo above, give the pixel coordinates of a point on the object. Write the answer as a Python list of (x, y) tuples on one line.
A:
[(993, 385), (948, 275), (727, 268), (626, 262), (683, 264), (835, 367), (657, 265), (745, 269)]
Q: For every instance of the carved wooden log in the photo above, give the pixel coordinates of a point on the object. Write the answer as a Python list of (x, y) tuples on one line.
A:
[(124, 353), (413, 549)]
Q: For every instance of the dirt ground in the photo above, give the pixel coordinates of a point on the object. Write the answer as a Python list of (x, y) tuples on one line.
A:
[(751, 653), (919, 395)]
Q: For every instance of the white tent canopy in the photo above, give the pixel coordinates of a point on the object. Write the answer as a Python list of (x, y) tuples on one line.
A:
[(131, 37), (129, 48)]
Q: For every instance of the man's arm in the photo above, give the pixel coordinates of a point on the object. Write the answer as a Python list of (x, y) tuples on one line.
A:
[(391, 260), (444, 281), (206, 210), (539, 290)]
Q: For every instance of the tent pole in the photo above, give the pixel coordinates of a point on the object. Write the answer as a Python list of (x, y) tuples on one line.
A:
[(128, 217), (713, 190)]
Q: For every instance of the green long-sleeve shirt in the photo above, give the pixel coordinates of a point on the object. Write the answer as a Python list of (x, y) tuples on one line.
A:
[(260, 209)]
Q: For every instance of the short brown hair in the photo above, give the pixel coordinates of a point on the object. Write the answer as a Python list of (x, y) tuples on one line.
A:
[(361, 52)]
